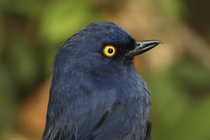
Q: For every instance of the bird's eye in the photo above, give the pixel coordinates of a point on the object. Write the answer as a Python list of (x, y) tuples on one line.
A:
[(109, 51)]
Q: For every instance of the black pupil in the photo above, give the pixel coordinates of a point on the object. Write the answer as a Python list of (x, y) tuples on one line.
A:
[(110, 50)]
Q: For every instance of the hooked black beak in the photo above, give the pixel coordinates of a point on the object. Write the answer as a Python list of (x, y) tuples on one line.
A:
[(143, 46)]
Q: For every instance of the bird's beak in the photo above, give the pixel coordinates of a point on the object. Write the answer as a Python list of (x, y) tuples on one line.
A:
[(143, 46)]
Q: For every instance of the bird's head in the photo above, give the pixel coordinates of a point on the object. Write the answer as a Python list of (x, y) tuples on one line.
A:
[(101, 46)]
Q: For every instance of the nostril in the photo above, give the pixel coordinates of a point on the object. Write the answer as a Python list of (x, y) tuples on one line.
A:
[(137, 44)]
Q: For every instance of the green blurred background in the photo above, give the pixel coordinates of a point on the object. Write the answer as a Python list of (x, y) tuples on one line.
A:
[(177, 72)]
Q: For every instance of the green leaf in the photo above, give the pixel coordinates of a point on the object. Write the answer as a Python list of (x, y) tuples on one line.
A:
[(22, 62), (62, 19)]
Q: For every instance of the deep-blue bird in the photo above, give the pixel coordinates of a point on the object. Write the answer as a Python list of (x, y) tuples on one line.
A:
[(96, 93)]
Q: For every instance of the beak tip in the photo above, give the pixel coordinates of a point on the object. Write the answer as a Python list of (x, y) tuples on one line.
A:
[(159, 42)]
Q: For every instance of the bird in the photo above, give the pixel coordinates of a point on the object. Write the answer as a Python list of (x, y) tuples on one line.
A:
[(96, 92)]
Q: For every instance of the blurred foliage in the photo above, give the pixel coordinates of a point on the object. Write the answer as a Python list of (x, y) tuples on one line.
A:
[(181, 115), (32, 31), (197, 17), (173, 8)]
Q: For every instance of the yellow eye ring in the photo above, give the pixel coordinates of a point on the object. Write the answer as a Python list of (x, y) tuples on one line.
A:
[(109, 51)]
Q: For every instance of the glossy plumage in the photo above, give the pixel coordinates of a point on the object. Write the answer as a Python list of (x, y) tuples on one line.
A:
[(95, 97)]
